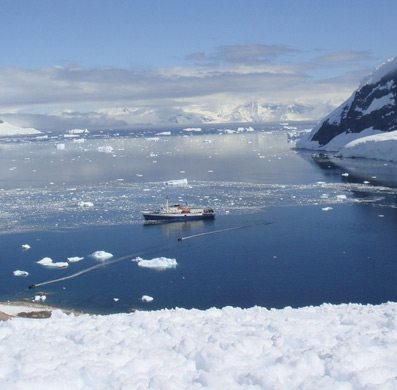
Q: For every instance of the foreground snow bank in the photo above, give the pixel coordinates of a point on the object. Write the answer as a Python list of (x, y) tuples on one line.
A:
[(326, 347)]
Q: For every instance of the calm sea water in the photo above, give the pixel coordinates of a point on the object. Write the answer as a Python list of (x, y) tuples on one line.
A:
[(292, 228)]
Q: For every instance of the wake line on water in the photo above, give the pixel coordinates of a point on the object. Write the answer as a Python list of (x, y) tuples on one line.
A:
[(130, 257), (84, 271), (100, 265), (221, 231)]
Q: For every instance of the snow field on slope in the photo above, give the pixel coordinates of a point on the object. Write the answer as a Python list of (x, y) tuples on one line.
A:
[(328, 347)]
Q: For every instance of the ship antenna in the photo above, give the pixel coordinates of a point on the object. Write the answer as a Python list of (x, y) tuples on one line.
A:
[(166, 203)]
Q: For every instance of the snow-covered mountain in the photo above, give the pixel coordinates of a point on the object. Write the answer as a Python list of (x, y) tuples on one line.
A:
[(254, 111), (367, 118), (7, 129)]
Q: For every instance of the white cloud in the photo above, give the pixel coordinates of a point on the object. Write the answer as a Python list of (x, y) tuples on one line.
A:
[(59, 97)]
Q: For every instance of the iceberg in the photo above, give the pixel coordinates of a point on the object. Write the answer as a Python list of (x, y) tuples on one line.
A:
[(74, 259), (105, 149), (20, 273), (101, 255), (176, 183), (146, 298), (47, 262), (159, 263)]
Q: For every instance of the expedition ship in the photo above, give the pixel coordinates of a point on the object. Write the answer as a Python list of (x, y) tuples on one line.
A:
[(177, 212)]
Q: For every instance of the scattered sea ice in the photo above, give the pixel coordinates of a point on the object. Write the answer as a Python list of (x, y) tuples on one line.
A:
[(75, 259), (25, 247), (345, 174), (47, 262), (20, 273), (159, 263), (146, 298), (38, 298), (341, 197), (101, 255), (326, 208)]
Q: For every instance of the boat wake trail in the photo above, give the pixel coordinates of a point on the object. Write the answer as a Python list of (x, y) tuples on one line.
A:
[(133, 256), (221, 231), (84, 271), (100, 265)]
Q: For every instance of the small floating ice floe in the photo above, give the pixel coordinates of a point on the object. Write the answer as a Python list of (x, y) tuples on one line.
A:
[(327, 208), (38, 298), (20, 273), (159, 263), (61, 146), (85, 205), (341, 197), (146, 298), (25, 247), (345, 174), (105, 149), (74, 259), (47, 262), (101, 255), (176, 183)]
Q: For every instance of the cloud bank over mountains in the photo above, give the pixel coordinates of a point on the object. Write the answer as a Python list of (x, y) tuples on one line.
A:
[(236, 83)]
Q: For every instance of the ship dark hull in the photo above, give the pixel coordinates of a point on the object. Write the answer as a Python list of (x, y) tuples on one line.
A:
[(166, 217)]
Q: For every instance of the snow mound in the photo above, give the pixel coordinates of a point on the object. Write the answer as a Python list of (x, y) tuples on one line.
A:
[(381, 146), (370, 143), (156, 263), (327, 347), (47, 262), (101, 255)]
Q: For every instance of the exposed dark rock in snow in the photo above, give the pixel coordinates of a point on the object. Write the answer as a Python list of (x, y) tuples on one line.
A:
[(372, 106)]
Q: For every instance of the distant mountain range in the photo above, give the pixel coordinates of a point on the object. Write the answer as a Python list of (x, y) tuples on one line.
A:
[(254, 112)]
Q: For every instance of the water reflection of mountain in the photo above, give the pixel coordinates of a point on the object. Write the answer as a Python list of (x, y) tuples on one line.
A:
[(355, 170), (372, 173)]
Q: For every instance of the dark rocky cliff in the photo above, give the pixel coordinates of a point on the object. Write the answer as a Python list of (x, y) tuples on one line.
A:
[(373, 105)]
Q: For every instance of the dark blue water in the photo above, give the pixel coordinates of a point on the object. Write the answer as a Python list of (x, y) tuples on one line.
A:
[(282, 250)]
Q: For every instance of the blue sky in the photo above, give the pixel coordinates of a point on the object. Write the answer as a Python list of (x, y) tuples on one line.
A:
[(85, 59)]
